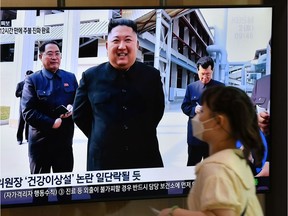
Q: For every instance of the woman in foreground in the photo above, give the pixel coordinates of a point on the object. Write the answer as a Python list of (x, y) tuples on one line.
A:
[(224, 185)]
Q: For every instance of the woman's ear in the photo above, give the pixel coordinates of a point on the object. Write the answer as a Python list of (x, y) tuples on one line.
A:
[(223, 122), (220, 119)]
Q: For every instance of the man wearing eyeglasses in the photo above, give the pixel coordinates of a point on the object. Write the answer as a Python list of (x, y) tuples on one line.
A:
[(45, 95), (191, 105)]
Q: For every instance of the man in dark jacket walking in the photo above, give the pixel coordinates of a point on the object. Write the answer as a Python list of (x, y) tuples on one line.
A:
[(191, 105)]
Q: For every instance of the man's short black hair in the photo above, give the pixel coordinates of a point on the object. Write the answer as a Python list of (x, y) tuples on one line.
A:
[(28, 72), (205, 61), (122, 22), (43, 45)]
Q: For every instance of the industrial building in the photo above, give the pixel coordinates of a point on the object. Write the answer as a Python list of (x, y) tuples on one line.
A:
[(171, 40)]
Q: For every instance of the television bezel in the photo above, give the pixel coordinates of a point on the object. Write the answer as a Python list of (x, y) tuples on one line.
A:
[(274, 80)]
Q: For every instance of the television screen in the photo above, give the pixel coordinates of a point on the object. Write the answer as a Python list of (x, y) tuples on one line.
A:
[(171, 40)]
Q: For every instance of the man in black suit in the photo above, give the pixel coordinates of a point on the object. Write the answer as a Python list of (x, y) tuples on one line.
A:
[(21, 122), (119, 104), (191, 105), (51, 132)]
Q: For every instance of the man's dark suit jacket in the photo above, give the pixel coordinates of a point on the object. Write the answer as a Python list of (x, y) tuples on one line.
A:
[(119, 111), (39, 99), (192, 97), (19, 89)]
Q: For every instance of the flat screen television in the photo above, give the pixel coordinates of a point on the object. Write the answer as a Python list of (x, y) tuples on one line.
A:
[(171, 39)]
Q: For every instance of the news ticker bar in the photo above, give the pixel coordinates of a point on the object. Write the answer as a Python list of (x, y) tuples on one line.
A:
[(96, 178)]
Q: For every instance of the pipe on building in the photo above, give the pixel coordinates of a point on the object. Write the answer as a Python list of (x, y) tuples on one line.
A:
[(211, 49)]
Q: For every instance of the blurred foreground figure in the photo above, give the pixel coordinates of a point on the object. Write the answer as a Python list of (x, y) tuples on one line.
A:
[(224, 182)]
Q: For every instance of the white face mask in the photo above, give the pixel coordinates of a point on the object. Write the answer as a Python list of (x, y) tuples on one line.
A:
[(198, 127)]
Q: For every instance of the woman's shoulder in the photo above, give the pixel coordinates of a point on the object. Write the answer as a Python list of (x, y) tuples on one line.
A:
[(225, 156), (228, 163)]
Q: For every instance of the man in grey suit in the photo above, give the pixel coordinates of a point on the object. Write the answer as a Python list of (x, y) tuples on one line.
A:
[(261, 98), (191, 105)]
